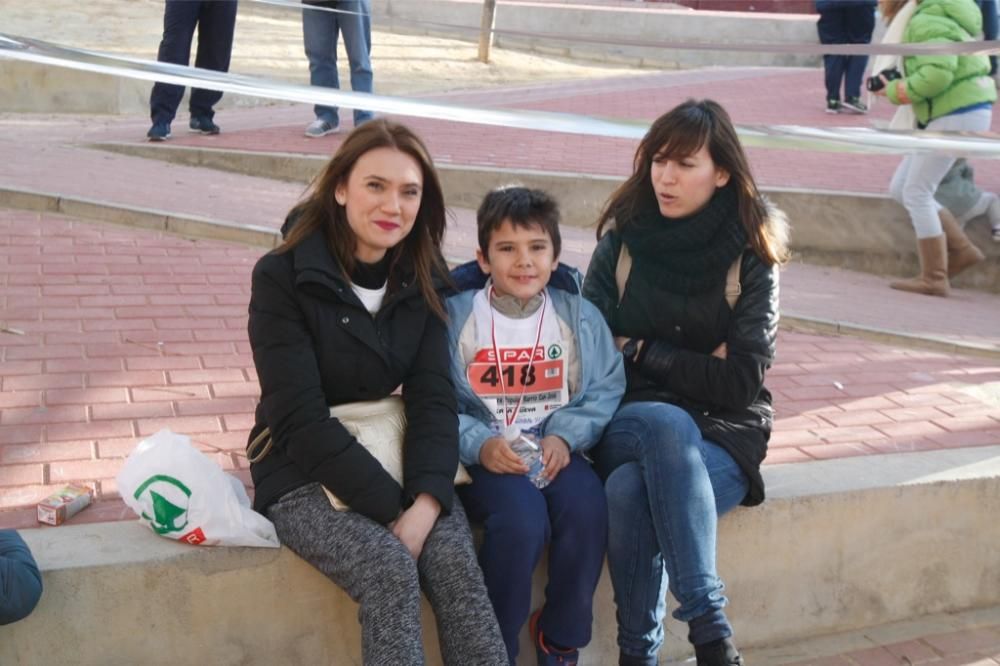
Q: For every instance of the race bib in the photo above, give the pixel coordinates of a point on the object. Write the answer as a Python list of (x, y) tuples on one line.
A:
[(539, 373)]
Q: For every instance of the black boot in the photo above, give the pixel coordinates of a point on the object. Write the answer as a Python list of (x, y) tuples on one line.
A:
[(718, 653)]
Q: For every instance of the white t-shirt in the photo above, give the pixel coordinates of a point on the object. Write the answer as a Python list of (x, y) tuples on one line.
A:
[(370, 298)]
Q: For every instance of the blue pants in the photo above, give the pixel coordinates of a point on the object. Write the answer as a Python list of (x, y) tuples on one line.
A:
[(990, 26), (319, 33), (20, 581), (571, 515), (216, 21), (666, 487), (848, 23)]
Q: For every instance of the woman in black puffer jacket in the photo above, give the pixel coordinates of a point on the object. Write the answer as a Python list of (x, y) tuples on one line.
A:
[(346, 310), (687, 443)]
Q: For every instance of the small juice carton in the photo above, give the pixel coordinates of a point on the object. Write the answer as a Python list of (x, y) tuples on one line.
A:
[(63, 504)]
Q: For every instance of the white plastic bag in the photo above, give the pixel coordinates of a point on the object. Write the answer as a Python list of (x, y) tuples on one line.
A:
[(182, 494)]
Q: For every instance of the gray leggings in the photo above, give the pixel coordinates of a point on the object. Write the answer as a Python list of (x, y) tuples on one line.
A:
[(369, 563)]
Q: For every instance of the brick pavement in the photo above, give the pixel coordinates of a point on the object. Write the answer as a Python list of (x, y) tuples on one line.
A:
[(753, 96), (968, 647), (127, 331)]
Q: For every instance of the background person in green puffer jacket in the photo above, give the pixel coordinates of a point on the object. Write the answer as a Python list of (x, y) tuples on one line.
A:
[(949, 93)]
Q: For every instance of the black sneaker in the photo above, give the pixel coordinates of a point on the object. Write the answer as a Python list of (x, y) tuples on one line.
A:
[(203, 125), (833, 106), (718, 653), (855, 105), (158, 132)]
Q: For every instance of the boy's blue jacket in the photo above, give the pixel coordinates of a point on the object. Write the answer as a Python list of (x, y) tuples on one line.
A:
[(602, 373)]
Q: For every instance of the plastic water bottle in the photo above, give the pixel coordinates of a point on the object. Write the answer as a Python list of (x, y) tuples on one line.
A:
[(531, 454)]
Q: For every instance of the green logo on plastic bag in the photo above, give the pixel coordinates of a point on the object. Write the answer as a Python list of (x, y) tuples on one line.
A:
[(169, 499)]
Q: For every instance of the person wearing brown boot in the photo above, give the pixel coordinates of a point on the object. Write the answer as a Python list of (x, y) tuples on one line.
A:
[(962, 253), (952, 93), (933, 278)]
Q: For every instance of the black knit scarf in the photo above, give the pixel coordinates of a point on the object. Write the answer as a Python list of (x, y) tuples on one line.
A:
[(691, 254)]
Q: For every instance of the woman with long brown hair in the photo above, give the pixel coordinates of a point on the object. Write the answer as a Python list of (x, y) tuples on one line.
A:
[(347, 310), (696, 318)]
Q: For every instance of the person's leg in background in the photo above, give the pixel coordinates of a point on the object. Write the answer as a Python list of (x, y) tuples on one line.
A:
[(859, 23), (320, 30), (832, 30), (989, 9), (216, 24), (179, 20), (357, 31)]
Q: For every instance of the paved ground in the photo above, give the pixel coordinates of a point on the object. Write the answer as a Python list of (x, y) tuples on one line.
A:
[(971, 638), (127, 331)]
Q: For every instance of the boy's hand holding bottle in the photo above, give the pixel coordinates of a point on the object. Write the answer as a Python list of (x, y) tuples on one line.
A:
[(498, 457)]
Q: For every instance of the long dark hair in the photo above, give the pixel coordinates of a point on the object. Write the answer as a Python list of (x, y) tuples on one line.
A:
[(320, 210), (681, 132)]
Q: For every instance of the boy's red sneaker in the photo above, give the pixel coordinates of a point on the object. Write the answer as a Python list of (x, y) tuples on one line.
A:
[(547, 654)]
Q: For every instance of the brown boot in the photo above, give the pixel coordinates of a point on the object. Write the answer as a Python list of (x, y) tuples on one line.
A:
[(933, 278), (961, 252)]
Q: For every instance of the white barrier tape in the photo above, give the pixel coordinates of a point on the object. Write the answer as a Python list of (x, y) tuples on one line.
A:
[(781, 136), (794, 48)]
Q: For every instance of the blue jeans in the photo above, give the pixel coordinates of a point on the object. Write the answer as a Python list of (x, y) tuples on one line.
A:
[(319, 32), (570, 514), (666, 487), (990, 26)]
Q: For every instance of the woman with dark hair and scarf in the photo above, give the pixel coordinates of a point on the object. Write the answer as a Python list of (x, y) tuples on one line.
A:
[(687, 443)]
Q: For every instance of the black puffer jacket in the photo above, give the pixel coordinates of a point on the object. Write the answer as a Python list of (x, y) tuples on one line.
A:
[(726, 398), (315, 345)]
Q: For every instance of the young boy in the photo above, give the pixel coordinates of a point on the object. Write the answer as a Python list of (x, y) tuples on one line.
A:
[(531, 356)]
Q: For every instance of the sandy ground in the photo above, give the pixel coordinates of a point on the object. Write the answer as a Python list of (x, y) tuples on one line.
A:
[(268, 43)]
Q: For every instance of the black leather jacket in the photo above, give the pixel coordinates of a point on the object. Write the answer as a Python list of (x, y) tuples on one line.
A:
[(726, 398)]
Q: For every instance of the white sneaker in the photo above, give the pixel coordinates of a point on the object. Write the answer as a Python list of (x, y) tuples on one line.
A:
[(320, 127)]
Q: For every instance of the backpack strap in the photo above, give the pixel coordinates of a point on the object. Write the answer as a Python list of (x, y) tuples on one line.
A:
[(733, 287), (622, 269)]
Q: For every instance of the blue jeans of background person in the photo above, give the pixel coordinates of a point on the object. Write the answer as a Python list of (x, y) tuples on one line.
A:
[(571, 515), (319, 32), (847, 23), (216, 21), (666, 487), (989, 9)]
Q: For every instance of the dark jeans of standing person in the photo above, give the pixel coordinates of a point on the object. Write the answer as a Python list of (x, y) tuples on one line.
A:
[(845, 22), (216, 21), (990, 26)]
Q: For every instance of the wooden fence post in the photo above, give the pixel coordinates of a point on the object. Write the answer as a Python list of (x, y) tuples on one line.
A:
[(486, 29)]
